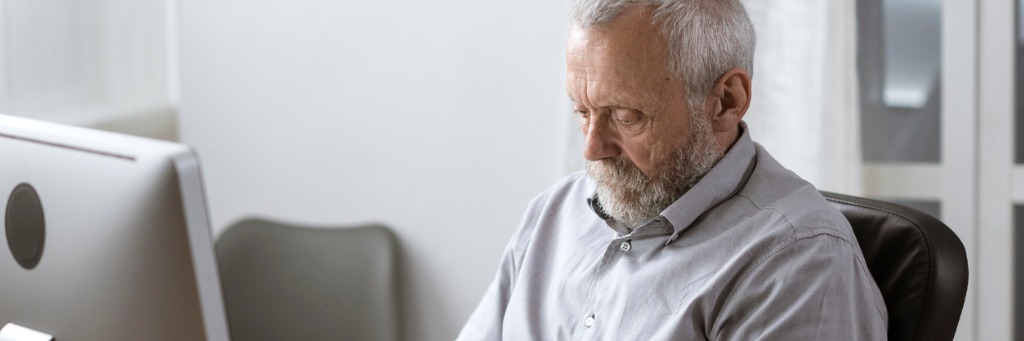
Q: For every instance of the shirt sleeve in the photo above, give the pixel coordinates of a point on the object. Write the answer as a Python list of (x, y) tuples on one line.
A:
[(487, 319), (817, 288)]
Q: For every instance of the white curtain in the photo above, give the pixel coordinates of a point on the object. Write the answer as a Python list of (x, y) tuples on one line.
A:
[(805, 108), (95, 63)]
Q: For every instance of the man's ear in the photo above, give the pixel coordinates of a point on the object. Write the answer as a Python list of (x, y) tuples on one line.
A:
[(730, 99)]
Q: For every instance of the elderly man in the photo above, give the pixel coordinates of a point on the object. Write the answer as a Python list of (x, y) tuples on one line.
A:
[(682, 228)]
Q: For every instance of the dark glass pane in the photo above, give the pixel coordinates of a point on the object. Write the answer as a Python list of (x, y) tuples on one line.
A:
[(1018, 271), (1019, 131), (899, 64)]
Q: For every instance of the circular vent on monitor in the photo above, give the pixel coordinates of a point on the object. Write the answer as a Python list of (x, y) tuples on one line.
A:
[(26, 228)]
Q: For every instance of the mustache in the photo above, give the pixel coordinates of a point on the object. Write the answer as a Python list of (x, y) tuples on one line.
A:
[(617, 171)]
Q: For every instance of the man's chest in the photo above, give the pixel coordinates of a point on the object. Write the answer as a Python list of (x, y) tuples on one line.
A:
[(605, 287)]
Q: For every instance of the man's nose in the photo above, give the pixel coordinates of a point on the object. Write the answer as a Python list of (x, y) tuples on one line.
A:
[(601, 141)]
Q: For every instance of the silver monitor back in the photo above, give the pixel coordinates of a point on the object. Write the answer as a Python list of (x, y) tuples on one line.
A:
[(126, 252)]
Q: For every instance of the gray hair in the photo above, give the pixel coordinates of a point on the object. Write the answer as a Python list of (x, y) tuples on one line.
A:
[(705, 38)]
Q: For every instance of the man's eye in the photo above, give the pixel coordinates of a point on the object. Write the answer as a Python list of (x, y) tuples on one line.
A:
[(627, 117), (582, 113)]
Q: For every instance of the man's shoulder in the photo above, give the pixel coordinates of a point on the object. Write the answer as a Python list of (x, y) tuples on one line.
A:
[(570, 193), (565, 198), (575, 184), (774, 188), (573, 180)]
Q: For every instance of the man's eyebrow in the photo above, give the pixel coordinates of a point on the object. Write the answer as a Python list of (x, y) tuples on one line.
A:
[(571, 99)]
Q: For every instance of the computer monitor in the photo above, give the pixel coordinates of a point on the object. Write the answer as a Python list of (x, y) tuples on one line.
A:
[(105, 237)]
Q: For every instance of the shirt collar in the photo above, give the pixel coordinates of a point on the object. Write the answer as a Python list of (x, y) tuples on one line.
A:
[(723, 181)]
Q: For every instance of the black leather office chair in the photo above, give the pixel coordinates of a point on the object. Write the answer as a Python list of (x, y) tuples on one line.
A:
[(918, 262)]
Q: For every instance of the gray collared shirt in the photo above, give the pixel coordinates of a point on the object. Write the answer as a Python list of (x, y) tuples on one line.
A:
[(752, 252)]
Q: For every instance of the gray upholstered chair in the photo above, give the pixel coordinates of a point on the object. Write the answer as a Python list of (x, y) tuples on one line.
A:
[(918, 263), (284, 282)]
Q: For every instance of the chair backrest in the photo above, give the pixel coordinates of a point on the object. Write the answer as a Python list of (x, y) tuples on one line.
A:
[(918, 263), (285, 282)]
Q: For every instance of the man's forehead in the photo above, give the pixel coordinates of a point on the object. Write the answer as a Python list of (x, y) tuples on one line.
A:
[(621, 47), (616, 99), (598, 67), (627, 44)]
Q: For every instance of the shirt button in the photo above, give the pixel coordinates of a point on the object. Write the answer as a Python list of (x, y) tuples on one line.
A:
[(625, 246), (589, 321)]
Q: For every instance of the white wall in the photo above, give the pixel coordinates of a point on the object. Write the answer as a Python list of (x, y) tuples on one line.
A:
[(440, 119)]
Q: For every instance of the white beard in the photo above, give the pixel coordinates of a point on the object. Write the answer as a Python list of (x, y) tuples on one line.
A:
[(632, 198)]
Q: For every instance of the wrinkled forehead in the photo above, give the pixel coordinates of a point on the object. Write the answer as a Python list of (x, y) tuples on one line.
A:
[(632, 37), (629, 50)]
